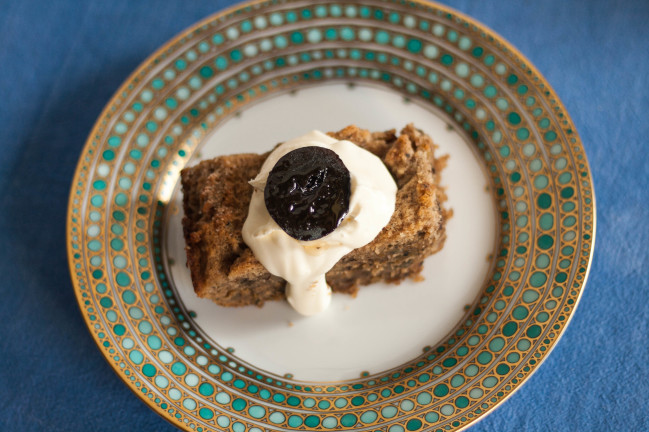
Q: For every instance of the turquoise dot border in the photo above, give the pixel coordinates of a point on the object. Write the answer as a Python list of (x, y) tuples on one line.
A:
[(539, 178)]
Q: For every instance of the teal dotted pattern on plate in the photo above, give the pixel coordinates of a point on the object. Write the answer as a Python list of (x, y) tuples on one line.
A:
[(539, 179)]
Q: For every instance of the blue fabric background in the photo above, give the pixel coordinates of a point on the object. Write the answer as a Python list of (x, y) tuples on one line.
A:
[(60, 61)]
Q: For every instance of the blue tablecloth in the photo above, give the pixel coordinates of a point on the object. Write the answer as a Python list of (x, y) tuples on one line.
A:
[(60, 61)]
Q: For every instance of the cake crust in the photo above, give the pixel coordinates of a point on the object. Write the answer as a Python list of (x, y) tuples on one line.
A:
[(216, 197)]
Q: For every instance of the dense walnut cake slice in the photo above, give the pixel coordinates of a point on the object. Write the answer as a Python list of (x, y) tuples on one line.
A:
[(217, 196)]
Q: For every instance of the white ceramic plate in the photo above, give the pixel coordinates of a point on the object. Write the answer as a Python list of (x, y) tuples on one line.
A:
[(433, 355)]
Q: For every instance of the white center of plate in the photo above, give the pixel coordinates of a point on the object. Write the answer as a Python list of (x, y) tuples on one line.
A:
[(385, 325)]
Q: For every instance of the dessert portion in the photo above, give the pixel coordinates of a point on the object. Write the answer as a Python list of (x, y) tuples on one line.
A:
[(217, 197), (316, 199)]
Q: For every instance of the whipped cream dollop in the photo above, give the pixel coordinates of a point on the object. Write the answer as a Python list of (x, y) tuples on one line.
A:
[(303, 264)]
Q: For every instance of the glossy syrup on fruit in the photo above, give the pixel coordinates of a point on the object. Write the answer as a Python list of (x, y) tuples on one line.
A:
[(307, 192)]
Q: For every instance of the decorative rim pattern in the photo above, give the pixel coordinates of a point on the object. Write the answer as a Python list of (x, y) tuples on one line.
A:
[(130, 164)]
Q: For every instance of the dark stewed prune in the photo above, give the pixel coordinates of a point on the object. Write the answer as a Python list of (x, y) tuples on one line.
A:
[(307, 192)]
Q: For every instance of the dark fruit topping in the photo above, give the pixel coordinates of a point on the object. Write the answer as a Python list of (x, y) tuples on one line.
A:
[(307, 192)]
